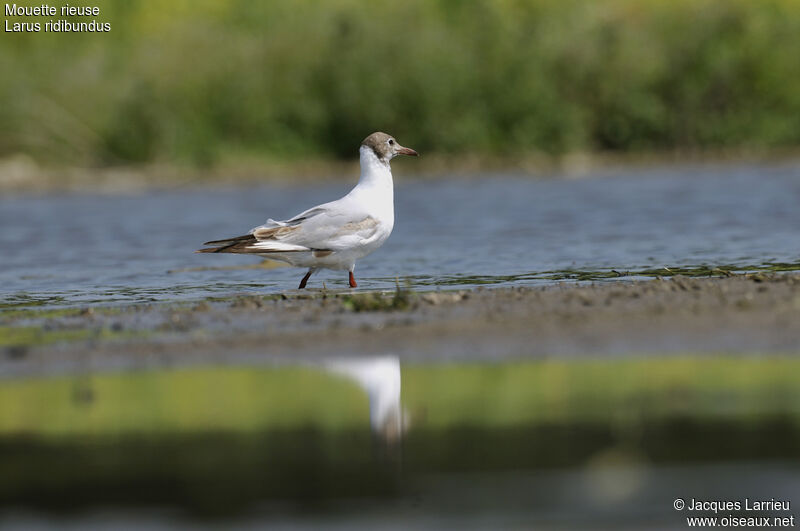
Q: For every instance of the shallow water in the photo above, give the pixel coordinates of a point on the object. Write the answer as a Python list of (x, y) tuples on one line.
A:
[(475, 446), (73, 250)]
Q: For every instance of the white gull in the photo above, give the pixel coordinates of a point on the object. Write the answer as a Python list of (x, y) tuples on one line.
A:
[(332, 235)]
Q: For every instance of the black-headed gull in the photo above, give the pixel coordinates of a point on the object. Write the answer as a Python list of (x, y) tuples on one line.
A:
[(332, 235)]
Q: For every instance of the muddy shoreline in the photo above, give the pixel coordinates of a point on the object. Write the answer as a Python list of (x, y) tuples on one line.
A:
[(753, 314)]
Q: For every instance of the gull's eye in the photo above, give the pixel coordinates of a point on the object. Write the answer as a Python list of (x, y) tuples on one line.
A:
[(391, 141)]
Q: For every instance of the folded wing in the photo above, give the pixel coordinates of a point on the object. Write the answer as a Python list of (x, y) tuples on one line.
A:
[(318, 229)]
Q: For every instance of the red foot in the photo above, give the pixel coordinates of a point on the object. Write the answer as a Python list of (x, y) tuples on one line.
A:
[(353, 281), (305, 279)]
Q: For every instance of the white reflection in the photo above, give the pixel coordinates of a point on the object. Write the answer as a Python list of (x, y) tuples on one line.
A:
[(380, 377), (615, 475)]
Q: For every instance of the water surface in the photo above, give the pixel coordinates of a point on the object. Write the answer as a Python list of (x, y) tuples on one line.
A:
[(546, 444), (495, 230)]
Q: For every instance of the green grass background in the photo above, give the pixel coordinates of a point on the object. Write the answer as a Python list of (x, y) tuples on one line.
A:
[(207, 83)]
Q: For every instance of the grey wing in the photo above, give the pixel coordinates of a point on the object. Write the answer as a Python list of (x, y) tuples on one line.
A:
[(325, 227)]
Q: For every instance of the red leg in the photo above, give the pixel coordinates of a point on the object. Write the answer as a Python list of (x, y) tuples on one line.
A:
[(305, 280), (353, 281)]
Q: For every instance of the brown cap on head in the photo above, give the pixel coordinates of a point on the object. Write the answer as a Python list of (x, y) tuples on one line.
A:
[(386, 147)]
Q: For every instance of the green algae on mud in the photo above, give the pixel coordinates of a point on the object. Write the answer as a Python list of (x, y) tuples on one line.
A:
[(403, 299), (290, 318), (43, 313), (253, 399), (589, 275), (18, 305), (32, 336)]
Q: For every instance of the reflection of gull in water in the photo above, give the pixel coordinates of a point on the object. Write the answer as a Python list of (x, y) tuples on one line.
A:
[(380, 378)]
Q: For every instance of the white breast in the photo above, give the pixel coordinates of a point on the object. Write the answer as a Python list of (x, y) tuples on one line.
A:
[(375, 195)]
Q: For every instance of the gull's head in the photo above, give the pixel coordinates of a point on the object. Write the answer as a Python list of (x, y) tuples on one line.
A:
[(386, 147)]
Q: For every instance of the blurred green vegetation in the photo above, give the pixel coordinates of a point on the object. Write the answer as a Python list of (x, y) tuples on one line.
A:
[(221, 440), (621, 392), (211, 82)]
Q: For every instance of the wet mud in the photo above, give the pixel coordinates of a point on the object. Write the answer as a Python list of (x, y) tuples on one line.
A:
[(738, 315)]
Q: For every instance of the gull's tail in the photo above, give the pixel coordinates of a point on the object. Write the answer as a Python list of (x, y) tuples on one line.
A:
[(239, 244), (255, 244)]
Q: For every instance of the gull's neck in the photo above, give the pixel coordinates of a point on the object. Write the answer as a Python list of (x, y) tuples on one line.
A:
[(374, 172)]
